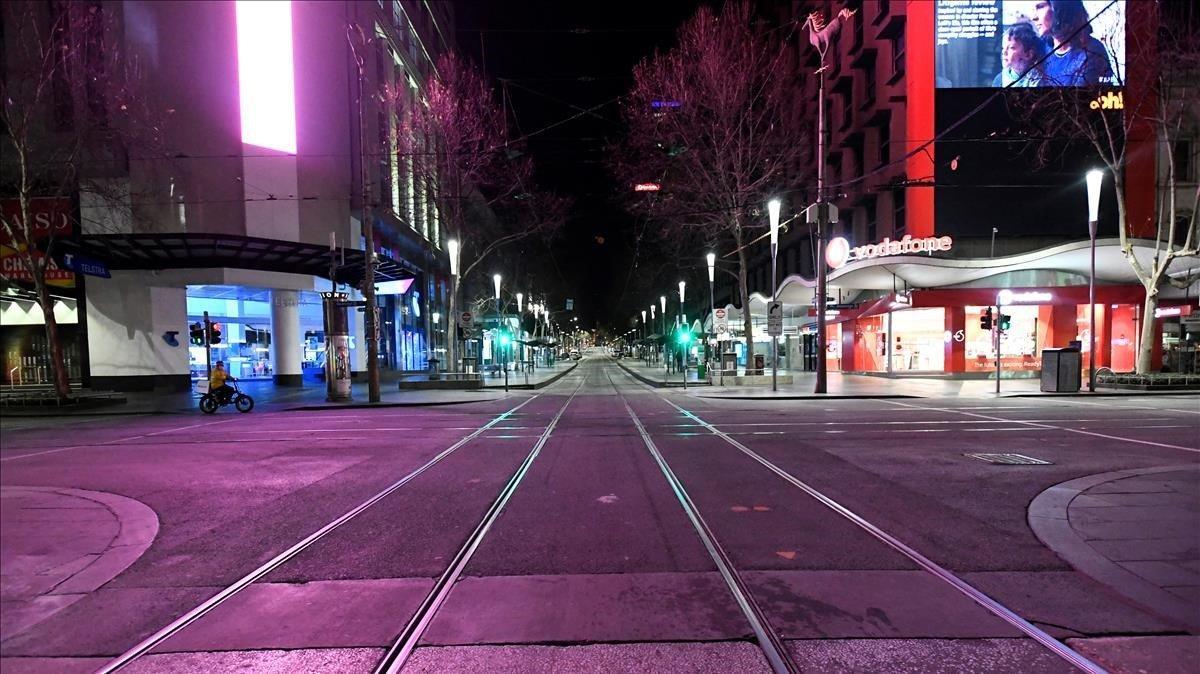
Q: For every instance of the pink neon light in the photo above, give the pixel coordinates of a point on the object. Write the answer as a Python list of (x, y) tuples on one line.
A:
[(266, 80)]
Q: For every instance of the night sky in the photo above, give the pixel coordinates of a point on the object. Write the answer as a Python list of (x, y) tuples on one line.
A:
[(551, 60)]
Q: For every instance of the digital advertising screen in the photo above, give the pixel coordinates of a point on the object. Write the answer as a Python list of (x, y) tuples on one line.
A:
[(1030, 43)]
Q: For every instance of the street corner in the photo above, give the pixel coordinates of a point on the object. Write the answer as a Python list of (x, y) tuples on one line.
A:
[(61, 544), (1131, 530)]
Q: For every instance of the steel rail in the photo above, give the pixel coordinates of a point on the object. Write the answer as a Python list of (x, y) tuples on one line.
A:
[(767, 637), (406, 642), (212, 602), (996, 608)]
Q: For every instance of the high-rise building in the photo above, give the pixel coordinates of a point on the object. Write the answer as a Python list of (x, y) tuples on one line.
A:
[(259, 104)]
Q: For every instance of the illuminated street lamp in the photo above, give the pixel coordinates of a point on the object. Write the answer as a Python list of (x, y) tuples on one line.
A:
[(520, 300), (711, 258), (773, 210), (452, 248), (1095, 178)]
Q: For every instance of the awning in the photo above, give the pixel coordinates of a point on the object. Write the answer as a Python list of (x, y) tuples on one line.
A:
[(204, 251)]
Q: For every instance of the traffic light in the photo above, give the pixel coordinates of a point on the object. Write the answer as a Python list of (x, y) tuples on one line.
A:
[(684, 336), (197, 333), (1005, 322), (214, 334), (504, 338), (985, 319)]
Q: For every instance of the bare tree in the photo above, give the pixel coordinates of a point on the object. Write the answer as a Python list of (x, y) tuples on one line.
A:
[(71, 111), (476, 178), (1113, 124), (714, 121)]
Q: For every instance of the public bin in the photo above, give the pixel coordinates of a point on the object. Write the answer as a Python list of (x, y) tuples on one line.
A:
[(434, 373), (469, 364), (1062, 370), (701, 370), (729, 364), (759, 363)]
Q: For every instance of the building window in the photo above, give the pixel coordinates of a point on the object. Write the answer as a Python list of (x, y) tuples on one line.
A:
[(885, 141), (898, 55), (899, 225), (872, 220), (1184, 160)]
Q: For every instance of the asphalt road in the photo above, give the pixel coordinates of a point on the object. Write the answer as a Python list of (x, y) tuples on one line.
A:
[(599, 525)]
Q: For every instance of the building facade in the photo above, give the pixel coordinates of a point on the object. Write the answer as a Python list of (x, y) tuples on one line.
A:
[(944, 210), (273, 114)]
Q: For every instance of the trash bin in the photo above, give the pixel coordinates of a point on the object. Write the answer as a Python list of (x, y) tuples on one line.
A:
[(759, 363), (434, 374), (1062, 370), (729, 364), (469, 365), (701, 370)]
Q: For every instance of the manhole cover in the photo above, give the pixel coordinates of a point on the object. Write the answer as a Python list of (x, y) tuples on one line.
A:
[(1010, 459)]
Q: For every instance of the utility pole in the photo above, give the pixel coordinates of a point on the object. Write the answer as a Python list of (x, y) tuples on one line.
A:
[(368, 226), (822, 221)]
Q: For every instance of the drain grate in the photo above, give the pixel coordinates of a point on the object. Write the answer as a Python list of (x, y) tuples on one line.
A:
[(1010, 459)]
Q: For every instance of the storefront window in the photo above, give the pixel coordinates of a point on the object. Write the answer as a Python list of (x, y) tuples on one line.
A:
[(833, 347), (918, 340), (1020, 345)]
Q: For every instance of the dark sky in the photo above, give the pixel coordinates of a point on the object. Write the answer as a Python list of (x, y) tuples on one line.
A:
[(551, 60)]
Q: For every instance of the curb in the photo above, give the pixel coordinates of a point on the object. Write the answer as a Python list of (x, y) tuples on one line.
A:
[(536, 386), (138, 526), (655, 382), (1047, 517), (379, 405), (812, 396)]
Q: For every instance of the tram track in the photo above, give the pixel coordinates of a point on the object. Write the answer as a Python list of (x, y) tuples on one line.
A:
[(191, 616), (1059, 649)]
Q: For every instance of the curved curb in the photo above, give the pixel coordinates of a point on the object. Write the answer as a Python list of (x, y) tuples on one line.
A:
[(1049, 520), (138, 526)]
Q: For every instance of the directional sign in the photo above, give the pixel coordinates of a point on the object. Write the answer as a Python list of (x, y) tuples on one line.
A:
[(720, 321), (466, 320), (85, 265), (775, 319)]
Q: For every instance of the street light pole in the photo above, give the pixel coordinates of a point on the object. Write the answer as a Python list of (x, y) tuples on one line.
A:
[(773, 210), (452, 318), (1095, 178), (682, 351), (711, 258), (822, 218), (499, 323)]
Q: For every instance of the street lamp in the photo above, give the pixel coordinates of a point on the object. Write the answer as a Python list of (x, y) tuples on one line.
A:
[(683, 351), (452, 248), (1095, 178), (711, 258), (773, 210), (520, 300)]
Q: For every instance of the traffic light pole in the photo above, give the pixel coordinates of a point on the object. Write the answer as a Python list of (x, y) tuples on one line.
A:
[(996, 327), (207, 345)]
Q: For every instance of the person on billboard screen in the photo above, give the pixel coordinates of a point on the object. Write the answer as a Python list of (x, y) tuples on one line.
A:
[(1019, 55), (1077, 59)]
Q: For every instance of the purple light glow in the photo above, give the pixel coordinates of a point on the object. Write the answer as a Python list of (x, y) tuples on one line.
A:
[(266, 80)]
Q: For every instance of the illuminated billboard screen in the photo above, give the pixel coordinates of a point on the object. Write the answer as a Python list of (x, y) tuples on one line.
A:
[(1030, 43)]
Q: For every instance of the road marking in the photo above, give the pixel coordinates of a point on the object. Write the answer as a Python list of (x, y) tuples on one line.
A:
[(1043, 424), (212, 602), (119, 440)]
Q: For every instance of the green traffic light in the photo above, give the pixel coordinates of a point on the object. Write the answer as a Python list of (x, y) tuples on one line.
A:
[(684, 337), (505, 339)]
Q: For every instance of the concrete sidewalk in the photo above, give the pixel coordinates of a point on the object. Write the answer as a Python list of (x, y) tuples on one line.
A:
[(60, 544), (1132, 530), (655, 374)]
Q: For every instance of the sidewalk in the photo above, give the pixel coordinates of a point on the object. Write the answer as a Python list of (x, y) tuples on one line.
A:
[(656, 374), (840, 385), (60, 544), (1132, 530), (268, 397)]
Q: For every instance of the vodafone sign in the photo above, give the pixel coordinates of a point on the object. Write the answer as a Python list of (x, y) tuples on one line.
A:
[(839, 251)]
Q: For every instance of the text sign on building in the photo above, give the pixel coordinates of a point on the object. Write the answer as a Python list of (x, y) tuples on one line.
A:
[(775, 319), (839, 251), (1006, 297), (85, 265), (647, 187), (720, 321)]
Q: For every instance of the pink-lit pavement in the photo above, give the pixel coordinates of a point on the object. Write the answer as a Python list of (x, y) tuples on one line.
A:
[(592, 565)]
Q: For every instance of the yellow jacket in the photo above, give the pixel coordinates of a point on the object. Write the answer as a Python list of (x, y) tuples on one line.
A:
[(217, 379)]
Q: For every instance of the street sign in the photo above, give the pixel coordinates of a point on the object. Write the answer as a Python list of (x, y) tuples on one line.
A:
[(775, 319), (720, 321), (85, 265), (466, 320)]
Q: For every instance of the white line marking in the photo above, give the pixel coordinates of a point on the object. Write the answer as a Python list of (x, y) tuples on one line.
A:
[(117, 441), (1042, 424)]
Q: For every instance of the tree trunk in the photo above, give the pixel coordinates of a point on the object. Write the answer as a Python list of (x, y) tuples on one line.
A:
[(744, 290), (1146, 344), (58, 366), (452, 328)]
